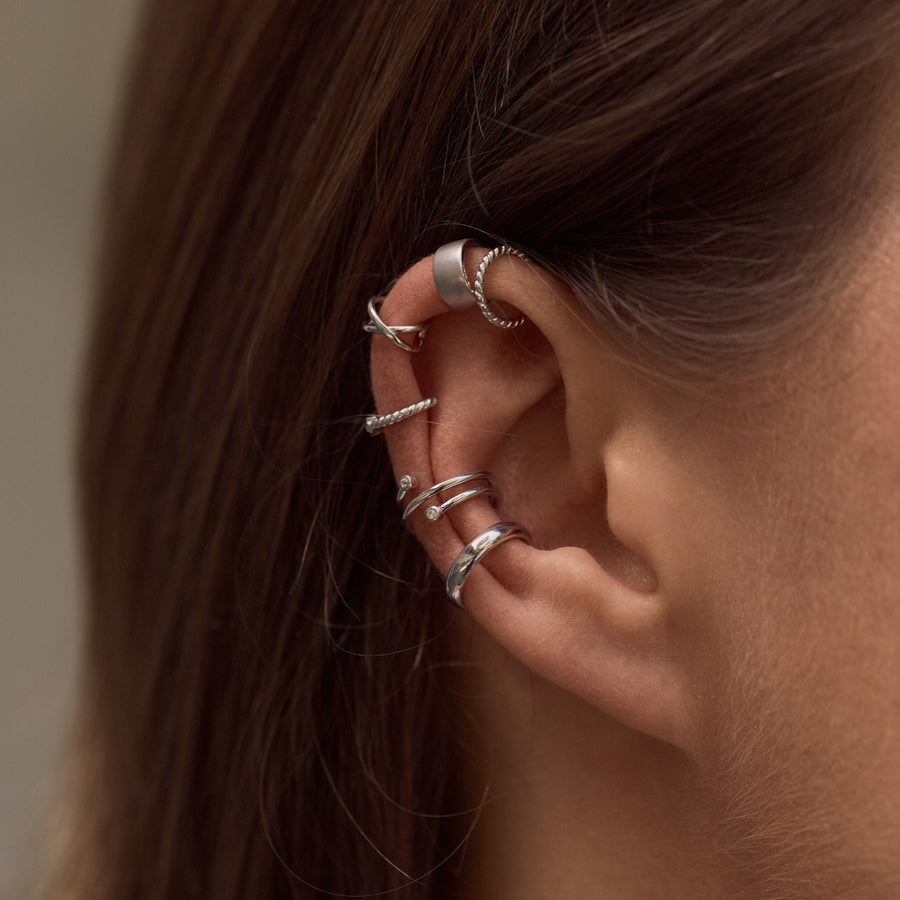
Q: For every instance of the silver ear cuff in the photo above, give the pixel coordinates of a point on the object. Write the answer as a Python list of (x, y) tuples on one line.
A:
[(374, 424), (475, 551), (449, 271), (376, 325), (435, 511), (478, 289)]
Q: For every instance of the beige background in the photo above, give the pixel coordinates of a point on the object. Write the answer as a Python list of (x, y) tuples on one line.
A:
[(60, 71)]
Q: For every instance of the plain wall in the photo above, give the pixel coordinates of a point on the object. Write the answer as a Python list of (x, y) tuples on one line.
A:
[(61, 65)]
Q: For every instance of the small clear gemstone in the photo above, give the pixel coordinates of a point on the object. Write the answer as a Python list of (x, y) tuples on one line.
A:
[(406, 482), (432, 514)]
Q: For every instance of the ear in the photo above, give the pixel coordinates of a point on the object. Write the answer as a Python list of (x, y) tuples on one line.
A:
[(551, 416)]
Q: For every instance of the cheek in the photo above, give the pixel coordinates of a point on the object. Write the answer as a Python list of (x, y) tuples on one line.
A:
[(804, 641)]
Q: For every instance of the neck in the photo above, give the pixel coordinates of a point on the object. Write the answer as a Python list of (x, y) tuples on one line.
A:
[(578, 805)]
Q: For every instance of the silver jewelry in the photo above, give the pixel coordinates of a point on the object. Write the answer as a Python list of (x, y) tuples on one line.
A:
[(433, 513), (405, 485), (449, 270), (474, 552), (488, 313), (374, 424), (376, 325)]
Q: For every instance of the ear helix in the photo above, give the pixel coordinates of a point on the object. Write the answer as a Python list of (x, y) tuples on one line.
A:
[(452, 283)]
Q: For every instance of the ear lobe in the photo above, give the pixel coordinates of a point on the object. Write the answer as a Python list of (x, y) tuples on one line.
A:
[(519, 404)]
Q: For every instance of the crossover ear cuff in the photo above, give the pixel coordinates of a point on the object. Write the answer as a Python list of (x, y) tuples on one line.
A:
[(375, 325)]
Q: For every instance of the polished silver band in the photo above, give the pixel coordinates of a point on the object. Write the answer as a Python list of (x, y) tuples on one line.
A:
[(449, 485), (478, 289), (449, 270), (474, 552), (374, 424), (376, 325)]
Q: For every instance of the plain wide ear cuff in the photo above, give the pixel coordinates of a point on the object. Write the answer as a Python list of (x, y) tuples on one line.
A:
[(449, 270)]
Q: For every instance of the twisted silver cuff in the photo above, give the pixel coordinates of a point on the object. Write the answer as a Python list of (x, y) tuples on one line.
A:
[(374, 424), (478, 289)]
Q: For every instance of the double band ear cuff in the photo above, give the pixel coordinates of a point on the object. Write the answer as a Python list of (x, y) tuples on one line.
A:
[(376, 325), (374, 424), (475, 551), (434, 512)]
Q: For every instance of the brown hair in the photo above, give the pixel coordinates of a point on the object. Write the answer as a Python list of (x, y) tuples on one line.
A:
[(266, 710)]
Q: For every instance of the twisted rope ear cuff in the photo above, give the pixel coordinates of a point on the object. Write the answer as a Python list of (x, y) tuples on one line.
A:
[(475, 551), (486, 311), (452, 283), (374, 424), (376, 325), (434, 512)]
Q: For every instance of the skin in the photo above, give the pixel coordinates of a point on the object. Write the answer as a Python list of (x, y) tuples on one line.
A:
[(690, 685)]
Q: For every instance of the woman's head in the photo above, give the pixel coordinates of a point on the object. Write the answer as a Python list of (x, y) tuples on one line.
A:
[(267, 654)]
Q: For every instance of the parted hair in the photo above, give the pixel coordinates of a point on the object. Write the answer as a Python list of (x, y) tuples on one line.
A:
[(267, 699)]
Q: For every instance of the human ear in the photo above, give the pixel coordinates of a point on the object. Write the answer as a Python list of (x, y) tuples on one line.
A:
[(545, 411)]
